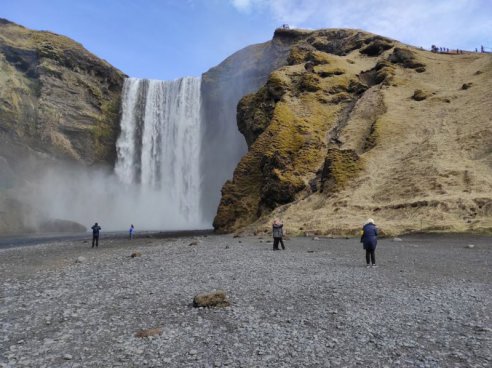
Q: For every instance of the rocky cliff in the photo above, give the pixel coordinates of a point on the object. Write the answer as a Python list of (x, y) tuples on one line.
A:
[(222, 87), (358, 125), (57, 101)]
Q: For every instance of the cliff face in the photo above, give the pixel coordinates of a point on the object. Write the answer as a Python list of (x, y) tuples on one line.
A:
[(356, 126), (222, 88), (57, 101), (56, 97)]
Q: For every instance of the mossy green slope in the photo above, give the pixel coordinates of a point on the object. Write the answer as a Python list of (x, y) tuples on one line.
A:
[(337, 136), (56, 97), (288, 125)]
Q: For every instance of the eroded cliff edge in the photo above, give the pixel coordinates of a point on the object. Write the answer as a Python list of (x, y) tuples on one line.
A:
[(358, 125)]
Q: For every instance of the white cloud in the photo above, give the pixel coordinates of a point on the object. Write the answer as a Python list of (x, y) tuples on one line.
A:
[(245, 5), (456, 23)]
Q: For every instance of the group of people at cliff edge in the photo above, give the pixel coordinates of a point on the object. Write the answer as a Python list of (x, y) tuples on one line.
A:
[(96, 229), (369, 239)]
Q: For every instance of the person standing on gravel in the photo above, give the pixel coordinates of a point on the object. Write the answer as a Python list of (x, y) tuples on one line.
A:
[(95, 234), (369, 240), (131, 232), (278, 233)]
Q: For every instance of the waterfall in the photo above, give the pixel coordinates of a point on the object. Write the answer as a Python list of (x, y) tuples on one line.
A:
[(159, 146)]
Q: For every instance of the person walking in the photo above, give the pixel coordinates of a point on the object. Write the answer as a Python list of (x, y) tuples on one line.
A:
[(369, 240), (131, 232), (95, 234), (278, 233)]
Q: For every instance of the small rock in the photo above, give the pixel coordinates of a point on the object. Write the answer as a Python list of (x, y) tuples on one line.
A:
[(136, 254), (315, 238), (227, 247), (67, 357), (195, 242), (470, 246), (80, 259), (193, 352), (419, 95), (149, 332), (216, 298), (397, 239)]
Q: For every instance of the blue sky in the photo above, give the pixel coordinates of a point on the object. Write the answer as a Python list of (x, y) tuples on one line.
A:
[(168, 39)]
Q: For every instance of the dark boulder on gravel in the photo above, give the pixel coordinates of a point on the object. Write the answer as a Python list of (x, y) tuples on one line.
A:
[(213, 299)]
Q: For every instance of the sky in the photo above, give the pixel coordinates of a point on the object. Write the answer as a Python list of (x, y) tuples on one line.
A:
[(169, 39)]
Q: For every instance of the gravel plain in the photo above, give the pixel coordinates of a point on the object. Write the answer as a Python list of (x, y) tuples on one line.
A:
[(427, 304)]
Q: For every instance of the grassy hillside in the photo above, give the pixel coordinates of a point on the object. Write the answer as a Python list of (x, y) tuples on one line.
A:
[(361, 126)]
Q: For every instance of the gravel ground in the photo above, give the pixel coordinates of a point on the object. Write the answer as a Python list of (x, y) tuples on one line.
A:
[(427, 304)]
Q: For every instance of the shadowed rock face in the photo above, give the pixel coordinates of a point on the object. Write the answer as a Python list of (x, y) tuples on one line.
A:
[(57, 101), (222, 88)]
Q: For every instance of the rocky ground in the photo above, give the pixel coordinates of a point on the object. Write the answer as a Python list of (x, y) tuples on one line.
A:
[(427, 304)]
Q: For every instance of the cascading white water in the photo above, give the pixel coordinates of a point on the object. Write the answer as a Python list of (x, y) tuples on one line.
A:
[(159, 146)]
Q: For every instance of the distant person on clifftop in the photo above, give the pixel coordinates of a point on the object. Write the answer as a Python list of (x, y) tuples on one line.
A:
[(131, 232), (278, 233), (369, 240), (95, 234)]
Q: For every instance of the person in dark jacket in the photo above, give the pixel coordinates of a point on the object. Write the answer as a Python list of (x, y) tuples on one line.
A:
[(95, 234), (278, 233), (369, 240), (131, 232)]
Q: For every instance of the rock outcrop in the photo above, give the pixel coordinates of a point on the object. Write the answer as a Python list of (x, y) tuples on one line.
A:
[(57, 101), (56, 97), (222, 87), (340, 134)]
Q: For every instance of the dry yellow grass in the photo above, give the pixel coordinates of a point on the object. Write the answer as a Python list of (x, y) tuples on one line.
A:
[(431, 165)]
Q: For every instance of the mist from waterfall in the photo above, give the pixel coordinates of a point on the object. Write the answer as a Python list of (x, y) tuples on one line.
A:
[(159, 146)]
